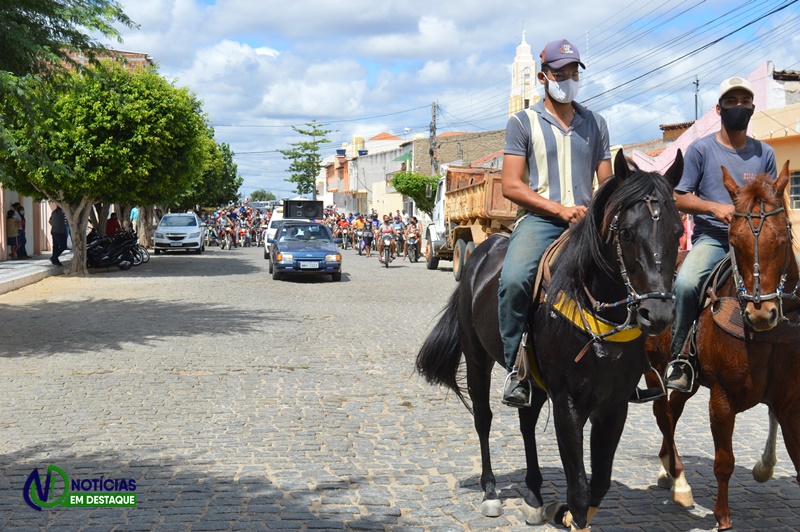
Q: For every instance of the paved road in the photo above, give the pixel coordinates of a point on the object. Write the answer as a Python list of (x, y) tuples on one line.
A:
[(237, 402)]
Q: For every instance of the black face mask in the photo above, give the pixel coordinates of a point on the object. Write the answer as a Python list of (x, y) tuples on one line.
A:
[(736, 118)]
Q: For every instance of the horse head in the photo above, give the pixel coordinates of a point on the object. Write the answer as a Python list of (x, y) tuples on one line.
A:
[(648, 229), (760, 238)]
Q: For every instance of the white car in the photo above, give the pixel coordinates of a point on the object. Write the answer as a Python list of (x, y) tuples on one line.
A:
[(183, 231), (272, 228)]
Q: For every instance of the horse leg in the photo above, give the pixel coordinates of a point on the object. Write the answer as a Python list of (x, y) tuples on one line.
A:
[(791, 435), (569, 434), (532, 504), (722, 419), (667, 411), (606, 433), (765, 467), (479, 380)]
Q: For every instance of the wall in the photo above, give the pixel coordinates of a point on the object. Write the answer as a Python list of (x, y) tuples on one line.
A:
[(473, 146)]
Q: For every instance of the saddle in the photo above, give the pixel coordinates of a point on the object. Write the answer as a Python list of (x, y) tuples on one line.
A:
[(727, 312)]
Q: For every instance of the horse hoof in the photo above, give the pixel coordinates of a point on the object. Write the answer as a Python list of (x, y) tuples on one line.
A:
[(558, 514), (683, 498), (533, 515), (492, 508), (664, 480), (762, 473)]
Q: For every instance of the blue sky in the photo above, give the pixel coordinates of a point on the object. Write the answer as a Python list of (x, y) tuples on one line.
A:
[(262, 66)]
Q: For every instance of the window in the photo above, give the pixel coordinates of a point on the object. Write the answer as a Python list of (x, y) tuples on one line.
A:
[(178, 221), (794, 191)]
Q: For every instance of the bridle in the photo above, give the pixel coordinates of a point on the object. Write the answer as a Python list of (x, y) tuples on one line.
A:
[(757, 297), (633, 299)]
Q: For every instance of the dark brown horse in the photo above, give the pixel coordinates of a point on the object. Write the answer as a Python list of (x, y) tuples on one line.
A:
[(622, 252), (757, 360)]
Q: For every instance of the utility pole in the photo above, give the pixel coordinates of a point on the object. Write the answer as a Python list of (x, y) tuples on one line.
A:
[(696, 90), (433, 152)]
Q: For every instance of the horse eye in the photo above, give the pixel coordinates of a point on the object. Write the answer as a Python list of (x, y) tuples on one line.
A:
[(626, 235)]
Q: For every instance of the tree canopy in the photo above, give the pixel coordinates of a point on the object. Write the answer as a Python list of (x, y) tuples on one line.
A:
[(306, 161), (262, 195), (219, 184), (420, 188), (35, 35)]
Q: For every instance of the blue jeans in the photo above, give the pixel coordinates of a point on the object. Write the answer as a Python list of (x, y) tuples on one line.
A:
[(706, 252), (22, 241), (527, 244)]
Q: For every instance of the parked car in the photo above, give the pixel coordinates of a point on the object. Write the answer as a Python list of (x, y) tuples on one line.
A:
[(304, 248), (272, 229), (184, 231)]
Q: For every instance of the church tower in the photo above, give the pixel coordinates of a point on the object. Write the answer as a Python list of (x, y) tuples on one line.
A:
[(523, 79)]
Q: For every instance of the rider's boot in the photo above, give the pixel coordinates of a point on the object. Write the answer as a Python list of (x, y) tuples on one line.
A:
[(516, 392), (681, 371)]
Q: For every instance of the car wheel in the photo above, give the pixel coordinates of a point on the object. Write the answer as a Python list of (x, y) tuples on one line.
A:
[(270, 265), (336, 277), (276, 275), (266, 255), (157, 251), (199, 251)]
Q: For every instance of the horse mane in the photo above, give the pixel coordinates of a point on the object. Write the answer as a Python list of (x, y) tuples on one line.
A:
[(752, 194), (583, 255)]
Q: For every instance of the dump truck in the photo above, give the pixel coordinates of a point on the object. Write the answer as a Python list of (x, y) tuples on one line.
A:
[(469, 208)]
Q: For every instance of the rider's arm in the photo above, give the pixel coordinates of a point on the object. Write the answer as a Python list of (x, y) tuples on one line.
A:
[(516, 190), (691, 204)]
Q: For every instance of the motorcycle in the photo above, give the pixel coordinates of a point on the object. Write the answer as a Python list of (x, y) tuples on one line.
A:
[(225, 238), (387, 249), (244, 236), (106, 252), (211, 238), (343, 234), (413, 252), (360, 240), (255, 235)]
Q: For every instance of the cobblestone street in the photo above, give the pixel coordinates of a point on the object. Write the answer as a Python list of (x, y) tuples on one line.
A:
[(241, 403)]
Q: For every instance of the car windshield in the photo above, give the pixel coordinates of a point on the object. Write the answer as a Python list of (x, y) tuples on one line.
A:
[(293, 233), (178, 221), (274, 224)]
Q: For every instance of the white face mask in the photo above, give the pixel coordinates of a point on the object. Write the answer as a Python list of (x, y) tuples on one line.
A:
[(562, 91)]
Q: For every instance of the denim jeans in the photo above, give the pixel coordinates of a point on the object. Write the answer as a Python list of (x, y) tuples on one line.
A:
[(22, 241), (59, 244), (527, 244), (706, 252)]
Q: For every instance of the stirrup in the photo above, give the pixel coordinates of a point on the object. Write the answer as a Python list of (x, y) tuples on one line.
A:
[(688, 370), (637, 398), (512, 376)]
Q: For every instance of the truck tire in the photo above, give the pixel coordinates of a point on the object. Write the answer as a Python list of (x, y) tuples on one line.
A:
[(431, 261), (469, 250), (459, 256)]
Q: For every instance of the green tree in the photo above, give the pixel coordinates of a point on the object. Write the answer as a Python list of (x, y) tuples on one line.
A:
[(219, 185), (262, 195), (306, 162), (37, 34), (420, 188), (104, 134)]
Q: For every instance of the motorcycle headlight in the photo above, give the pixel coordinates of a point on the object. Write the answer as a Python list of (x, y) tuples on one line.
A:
[(159, 235), (196, 234), (284, 257), (333, 258)]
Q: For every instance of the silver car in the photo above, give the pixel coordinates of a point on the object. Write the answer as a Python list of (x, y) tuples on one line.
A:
[(184, 231)]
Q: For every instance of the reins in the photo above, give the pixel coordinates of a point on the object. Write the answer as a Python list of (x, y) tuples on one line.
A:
[(633, 300), (757, 297)]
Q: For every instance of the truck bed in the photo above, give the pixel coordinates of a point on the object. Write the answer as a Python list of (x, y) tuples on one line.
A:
[(475, 194)]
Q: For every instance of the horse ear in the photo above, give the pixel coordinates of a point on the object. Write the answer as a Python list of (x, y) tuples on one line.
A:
[(621, 169), (730, 184), (675, 171), (783, 179)]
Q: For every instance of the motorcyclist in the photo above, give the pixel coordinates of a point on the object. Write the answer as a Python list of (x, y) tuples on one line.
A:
[(412, 230), (387, 228), (358, 225), (400, 231)]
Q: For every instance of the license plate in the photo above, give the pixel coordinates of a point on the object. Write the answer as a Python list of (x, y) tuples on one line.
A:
[(309, 265), (175, 244)]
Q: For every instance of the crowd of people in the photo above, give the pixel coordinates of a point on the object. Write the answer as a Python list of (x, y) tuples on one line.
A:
[(244, 225), (368, 232)]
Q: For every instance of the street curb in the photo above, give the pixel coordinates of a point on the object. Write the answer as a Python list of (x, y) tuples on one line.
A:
[(38, 273)]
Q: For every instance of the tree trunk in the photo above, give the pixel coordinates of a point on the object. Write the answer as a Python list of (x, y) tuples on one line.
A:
[(124, 213), (146, 215), (98, 216), (78, 219)]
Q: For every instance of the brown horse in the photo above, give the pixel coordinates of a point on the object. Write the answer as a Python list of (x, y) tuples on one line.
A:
[(757, 360)]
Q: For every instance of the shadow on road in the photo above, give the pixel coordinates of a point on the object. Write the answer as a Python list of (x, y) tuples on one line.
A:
[(107, 324)]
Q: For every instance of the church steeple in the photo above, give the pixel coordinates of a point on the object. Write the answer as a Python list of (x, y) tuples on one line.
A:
[(523, 79)]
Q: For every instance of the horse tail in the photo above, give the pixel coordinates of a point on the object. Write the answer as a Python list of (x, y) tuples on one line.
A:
[(439, 357)]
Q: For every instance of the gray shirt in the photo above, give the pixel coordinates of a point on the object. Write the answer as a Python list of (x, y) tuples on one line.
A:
[(702, 175), (561, 163)]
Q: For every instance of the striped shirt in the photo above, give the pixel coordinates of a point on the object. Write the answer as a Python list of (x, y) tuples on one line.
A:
[(561, 163)]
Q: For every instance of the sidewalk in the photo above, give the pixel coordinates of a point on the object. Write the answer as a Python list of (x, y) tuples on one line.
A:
[(15, 274)]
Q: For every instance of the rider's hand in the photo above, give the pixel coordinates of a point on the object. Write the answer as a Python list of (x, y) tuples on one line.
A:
[(723, 213), (572, 214)]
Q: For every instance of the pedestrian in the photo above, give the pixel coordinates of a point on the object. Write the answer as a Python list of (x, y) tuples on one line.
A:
[(555, 142), (22, 239), (12, 233), (702, 194), (58, 230), (134, 218), (112, 225)]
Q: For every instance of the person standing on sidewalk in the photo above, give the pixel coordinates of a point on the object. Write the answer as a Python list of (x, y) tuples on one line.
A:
[(58, 229), (12, 232), (22, 240)]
